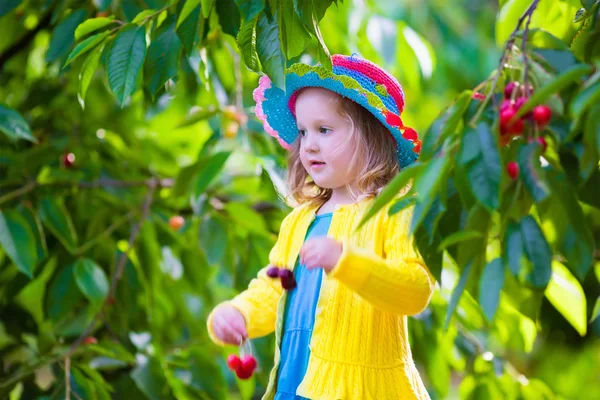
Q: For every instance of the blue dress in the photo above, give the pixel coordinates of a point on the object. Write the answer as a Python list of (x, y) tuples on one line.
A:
[(299, 319)]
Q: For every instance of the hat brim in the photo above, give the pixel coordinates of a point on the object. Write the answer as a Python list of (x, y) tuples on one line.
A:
[(274, 106)]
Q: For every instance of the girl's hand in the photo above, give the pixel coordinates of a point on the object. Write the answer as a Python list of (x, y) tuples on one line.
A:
[(229, 325), (321, 252)]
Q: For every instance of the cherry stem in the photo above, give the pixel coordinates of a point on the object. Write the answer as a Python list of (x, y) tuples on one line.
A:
[(507, 49)]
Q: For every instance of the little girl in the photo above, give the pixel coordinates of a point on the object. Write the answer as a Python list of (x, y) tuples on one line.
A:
[(341, 331)]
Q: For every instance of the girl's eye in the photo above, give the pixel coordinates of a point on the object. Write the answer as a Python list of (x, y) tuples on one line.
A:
[(324, 130), (302, 132)]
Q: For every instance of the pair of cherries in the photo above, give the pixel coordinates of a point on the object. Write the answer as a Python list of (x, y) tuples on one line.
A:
[(245, 365), (288, 282)]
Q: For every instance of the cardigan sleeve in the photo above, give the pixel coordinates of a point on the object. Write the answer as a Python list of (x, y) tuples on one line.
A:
[(258, 303), (399, 282)]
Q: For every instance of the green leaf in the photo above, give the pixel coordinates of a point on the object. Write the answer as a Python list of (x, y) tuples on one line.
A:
[(35, 225), (8, 5), (198, 115), (57, 219), (63, 295), (246, 41), (310, 13), (162, 62), (563, 80), (244, 216), (458, 237), (87, 73), (391, 190), (490, 285), (229, 17), (214, 244), (187, 31), (91, 25), (596, 311), (566, 295), (63, 36), (526, 250), (294, 35), (531, 171), (559, 59), (405, 201), (564, 218), (426, 186), (18, 241), (85, 46), (584, 99), (452, 117), (481, 157), (250, 8), (213, 166), (507, 18), (269, 50), (91, 280), (207, 7), (14, 126), (188, 8), (150, 379), (591, 143), (457, 293), (142, 15), (125, 60)]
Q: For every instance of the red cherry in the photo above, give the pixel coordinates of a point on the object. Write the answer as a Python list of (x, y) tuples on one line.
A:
[(247, 367), (542, 141), (542, 115), (273, 272), (513, 170), (285, 273), (515, 128), (510, 87), (478, 96), (249, 362), (505, 104), (90, 340), (68, 160), (176, 222), (410, 134), (234, 362), (519, 103)]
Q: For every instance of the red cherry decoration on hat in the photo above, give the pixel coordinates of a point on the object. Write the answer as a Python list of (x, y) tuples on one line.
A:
[(393, 119), (410, 134)]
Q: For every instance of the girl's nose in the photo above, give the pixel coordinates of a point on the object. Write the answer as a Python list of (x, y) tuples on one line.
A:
[(310, 142)]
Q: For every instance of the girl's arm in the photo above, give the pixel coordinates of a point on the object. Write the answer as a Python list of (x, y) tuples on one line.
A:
[(400, 283), (258, 303)]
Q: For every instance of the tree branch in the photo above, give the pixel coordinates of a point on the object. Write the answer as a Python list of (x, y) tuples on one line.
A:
[(507, 48)]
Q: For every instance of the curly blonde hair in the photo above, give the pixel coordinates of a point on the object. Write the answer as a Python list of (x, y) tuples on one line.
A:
[(374, 163)]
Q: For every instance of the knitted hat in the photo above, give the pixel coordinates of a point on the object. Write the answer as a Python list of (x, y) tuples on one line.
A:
[(352, 77)]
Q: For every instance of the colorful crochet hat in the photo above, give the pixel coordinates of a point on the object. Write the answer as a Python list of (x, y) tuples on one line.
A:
[(352, 77)]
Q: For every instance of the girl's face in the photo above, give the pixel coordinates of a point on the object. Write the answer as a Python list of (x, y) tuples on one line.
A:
[(325, 146)]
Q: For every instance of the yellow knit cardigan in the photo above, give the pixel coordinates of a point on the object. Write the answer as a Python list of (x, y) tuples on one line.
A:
[(359, 346)]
